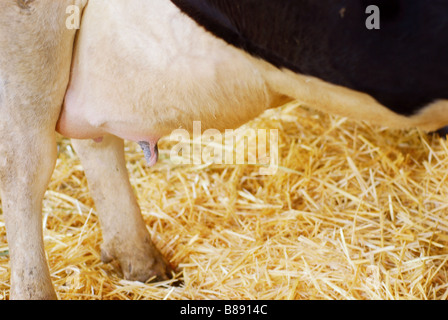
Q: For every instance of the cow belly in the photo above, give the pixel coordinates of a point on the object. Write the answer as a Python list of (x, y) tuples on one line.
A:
[(142, 69)]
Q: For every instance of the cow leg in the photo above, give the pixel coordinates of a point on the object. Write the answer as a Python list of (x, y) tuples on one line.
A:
[(35, 57), (28, 160), (125, 237)]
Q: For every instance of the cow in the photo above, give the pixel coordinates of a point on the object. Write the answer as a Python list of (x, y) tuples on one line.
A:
[(139, 69)]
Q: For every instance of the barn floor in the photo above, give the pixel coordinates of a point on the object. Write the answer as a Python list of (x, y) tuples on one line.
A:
[(354, 212)]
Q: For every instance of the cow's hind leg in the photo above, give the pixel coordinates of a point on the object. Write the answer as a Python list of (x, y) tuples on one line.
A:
[(125, 237), (35, 56)]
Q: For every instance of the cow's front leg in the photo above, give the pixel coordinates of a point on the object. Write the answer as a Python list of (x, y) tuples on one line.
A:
[(26, 164), (125, 237)]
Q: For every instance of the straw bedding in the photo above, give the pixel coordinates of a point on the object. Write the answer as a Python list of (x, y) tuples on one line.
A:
[(354, 212)]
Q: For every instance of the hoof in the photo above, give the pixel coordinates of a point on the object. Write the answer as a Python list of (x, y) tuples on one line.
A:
[(443, 132), (139, 263)]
